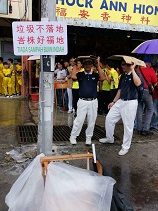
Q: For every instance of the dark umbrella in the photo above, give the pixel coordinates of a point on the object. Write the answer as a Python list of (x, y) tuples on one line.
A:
[(147, 47)]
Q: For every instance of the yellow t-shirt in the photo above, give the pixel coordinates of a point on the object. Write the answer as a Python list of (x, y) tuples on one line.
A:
[(18, 69), (75, 84), (115, 77), (7, 72), (105, 85), (1, 67), (12, 69)]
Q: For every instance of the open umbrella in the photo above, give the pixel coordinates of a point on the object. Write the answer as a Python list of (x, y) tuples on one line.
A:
[(128, 59), (36, 57), (147, 47)]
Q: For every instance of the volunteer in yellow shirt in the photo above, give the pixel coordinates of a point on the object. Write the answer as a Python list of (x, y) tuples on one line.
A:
[(7, 80), (75, 84), (1, 76), (114, 80), (18, 77), (11, 66)]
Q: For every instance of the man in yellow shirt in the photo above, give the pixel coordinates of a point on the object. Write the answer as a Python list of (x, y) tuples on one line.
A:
[(18, 77), (7, 80), (114, 80), (105, 91), (11, 66), (1, 76)]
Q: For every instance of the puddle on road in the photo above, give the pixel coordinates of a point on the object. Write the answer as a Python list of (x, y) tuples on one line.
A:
[(14, 112), (141, 188)]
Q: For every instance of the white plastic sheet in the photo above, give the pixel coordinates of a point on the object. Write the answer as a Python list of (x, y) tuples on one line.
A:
[(27, 192), (69, 188)]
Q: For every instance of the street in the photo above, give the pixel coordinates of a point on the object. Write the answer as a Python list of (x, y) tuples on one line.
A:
[(136, 173)]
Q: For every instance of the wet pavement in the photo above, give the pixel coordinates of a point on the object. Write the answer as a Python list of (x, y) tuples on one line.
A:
[(136, 173)]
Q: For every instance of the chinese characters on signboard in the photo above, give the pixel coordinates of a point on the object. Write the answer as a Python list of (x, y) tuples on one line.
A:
[(3, 6), (126, 11), (40, 38)]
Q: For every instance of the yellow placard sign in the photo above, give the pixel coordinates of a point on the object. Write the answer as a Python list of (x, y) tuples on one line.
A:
[(144, 12)]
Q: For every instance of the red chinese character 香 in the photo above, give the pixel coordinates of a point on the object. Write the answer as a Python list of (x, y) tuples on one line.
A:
[(105, 16)]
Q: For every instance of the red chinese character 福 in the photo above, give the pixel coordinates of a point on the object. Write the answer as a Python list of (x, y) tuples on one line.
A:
[(144, 20), (40, 28), (21, 40), (84, 14), (40, 39), (61, 11), (105, 16), (20, 29), (30, 28), (60, 40), (31, 40), (59, 29), (50, 39), (49, 28)]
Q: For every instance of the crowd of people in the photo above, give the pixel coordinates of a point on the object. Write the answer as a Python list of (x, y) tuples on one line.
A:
[(10, 78), (104, 89)]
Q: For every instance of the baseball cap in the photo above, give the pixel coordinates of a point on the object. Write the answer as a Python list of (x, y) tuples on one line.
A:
[(147, 59)]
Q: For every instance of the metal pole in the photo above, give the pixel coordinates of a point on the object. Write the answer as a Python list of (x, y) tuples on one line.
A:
[(46, 90)]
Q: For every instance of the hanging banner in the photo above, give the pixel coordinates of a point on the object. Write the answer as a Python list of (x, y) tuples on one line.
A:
[(141, 12), (40, 38), (3, 6)]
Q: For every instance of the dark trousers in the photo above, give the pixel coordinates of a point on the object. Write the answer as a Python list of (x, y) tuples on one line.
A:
[(75, 97), (104, 101)]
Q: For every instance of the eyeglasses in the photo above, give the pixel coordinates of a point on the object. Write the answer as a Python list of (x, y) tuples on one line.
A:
[(123, 64)]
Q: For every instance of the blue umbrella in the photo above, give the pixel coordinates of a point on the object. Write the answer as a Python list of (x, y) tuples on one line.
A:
[(147, 47)]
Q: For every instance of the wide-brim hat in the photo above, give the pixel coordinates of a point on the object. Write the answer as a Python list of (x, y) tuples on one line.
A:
[(128, 59), (89, 59)]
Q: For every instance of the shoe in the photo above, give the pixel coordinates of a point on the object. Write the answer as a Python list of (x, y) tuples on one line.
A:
[(123, 151), (69, 112), (106, 141), (7, 96), (75, 115), (11, 96), (73, 140), (88, 141), (147, 133)]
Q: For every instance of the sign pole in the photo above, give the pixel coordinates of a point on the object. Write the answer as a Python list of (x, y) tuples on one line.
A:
[(46, 88)]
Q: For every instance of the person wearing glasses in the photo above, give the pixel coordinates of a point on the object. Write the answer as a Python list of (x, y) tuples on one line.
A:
[(124, 106)]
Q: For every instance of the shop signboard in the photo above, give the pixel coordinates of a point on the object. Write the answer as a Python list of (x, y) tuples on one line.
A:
[(3, 6), (40, 38), (140, 12)]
